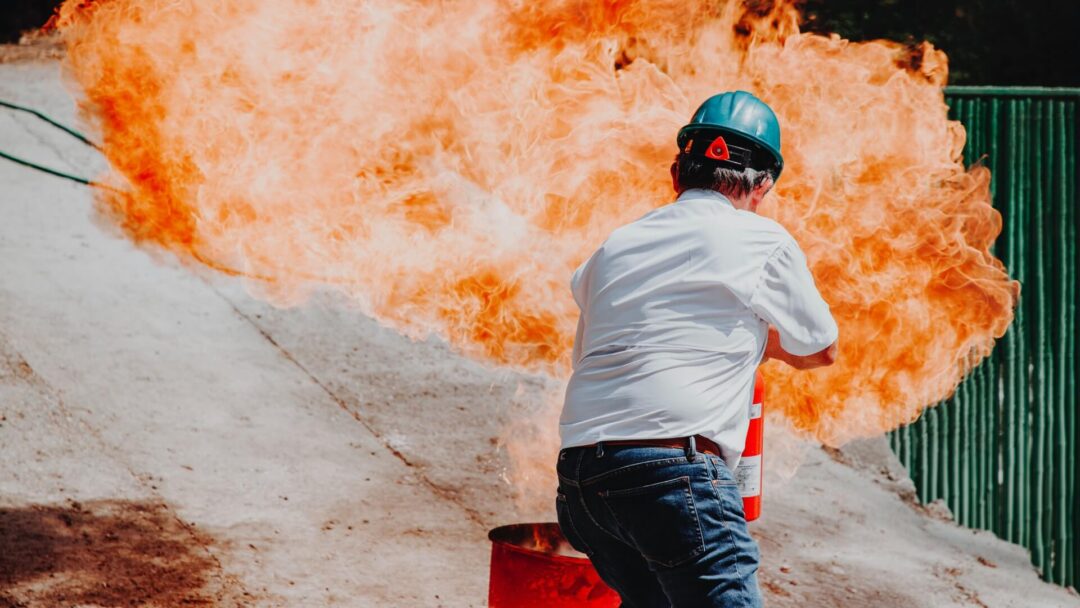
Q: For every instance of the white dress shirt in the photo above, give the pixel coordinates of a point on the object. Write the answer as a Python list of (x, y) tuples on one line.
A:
[(675, 309)]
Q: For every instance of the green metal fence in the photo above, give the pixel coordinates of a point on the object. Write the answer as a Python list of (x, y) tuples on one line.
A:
[(1002, 451)]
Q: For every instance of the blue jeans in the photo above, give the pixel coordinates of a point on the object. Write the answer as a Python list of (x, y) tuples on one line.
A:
[(663, 526)]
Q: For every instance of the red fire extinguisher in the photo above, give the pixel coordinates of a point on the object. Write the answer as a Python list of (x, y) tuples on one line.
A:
[(749, 473)]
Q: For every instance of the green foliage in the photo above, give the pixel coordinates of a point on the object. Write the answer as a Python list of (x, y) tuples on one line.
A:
[(992, 42), (18, 16), (989, 42)]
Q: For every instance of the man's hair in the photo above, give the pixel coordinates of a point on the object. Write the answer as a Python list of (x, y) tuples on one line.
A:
[(696, 172)]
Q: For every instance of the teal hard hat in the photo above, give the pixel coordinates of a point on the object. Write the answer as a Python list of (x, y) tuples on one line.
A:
[(736, 129)]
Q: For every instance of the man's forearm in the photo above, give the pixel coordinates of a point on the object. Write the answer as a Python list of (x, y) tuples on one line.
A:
[(773, 350)]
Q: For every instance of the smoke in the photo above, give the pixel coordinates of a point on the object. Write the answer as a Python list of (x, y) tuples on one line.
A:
[(531, 442), (447, 165)]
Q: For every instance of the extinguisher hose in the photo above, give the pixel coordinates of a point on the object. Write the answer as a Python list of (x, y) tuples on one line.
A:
[(62, 127)]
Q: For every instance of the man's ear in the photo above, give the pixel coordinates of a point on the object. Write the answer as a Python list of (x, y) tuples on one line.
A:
[(762, 189), (675, 175)]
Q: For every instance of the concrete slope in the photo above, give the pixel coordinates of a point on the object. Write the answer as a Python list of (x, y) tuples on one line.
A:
[(170, 396), (163, 428)]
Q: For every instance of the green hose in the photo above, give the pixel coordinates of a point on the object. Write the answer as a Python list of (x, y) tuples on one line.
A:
[(65, 129), (44, 169)]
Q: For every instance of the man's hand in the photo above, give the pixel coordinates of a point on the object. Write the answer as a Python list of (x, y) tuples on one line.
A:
[(773, 350)]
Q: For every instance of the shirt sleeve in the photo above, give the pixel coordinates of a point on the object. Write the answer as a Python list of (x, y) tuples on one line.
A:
[(787, 298)]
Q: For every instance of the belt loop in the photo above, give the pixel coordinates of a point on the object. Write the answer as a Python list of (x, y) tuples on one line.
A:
[(599, 449), (691, 449)]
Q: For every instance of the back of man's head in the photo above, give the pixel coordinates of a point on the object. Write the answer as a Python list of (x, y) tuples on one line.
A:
[(731, 145), (697, 172)]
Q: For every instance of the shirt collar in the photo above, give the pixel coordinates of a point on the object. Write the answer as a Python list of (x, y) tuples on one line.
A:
[(700, 193)]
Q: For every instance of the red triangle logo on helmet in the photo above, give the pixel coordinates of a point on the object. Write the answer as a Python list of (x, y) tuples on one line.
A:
[(718, 149)]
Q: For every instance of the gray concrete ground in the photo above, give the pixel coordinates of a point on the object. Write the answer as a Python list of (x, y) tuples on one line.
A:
[(165, 440)]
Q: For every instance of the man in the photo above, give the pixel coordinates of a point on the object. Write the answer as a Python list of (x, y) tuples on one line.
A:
[(678, 309)]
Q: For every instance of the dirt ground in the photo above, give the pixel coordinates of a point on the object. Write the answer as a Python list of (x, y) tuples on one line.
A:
[(168, 440)]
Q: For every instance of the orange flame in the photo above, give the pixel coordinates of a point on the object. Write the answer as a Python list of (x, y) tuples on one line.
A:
[(447, 165)]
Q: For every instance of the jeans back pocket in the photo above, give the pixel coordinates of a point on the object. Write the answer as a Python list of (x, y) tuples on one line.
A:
[(660, 519)]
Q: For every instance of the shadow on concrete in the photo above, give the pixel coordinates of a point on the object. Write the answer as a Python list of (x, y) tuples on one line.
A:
[(102, 553)]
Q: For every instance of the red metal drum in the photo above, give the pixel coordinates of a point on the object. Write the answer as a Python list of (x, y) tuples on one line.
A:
[(532, 566)]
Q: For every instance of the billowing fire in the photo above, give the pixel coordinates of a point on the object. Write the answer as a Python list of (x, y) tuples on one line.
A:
[(448, 164)]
